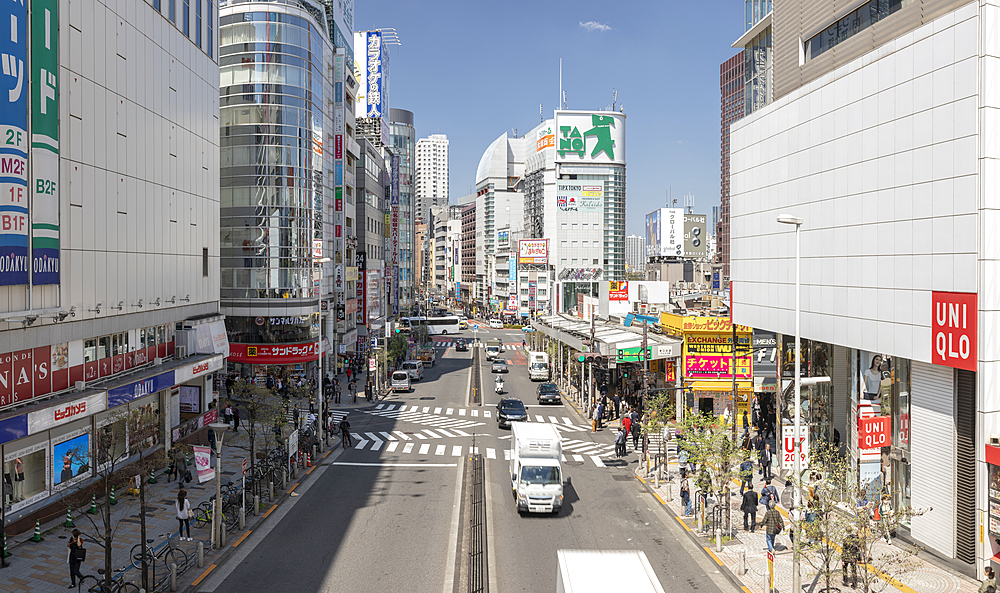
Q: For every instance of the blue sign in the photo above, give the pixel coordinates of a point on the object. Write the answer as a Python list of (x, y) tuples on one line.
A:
[(338, 172), (126, 393), (374, 342), (14, 428), (715, 280), (14, 144), (373, 94)]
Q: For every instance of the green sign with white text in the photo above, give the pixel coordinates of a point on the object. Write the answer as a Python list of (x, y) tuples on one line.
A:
[(45, 141)]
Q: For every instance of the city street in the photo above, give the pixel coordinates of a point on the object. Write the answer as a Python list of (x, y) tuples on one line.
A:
[(384, 515)]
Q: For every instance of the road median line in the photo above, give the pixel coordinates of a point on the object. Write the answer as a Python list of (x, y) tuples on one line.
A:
[(202, 576), (242, 537), (269, 511)]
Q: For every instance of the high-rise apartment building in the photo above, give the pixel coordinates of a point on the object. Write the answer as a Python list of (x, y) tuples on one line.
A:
[(731, 87), (403, 139), (635, 253), (109, 273), (875, 142), (432, 173)]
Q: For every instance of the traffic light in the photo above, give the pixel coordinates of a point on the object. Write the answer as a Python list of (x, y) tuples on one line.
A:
[(589, 357)]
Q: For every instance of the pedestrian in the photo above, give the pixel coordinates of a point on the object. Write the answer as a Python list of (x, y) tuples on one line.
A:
[(620, 443), (600, 414), (227, 414), (211, 440), (769, 494), (627, 425), (593, 418), (772, 525), (765, 462), (336, 391), (345, 432), (682, 461), (348, 374), (746, 422), (183, 508), (746, 475), (850, 555), (180, 465), (618, 403), (75, 556), (636, 428), (749, 508), (236, 419), (686, 497), (989, 584)]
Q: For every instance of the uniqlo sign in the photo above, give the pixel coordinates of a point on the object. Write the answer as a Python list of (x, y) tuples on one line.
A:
[(874, 432), (954, 329)]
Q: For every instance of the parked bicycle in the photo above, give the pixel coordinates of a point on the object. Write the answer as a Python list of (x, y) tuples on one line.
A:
[(167, 553), (92, 584)]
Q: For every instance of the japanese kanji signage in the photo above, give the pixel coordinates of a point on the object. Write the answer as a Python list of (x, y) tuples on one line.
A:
[(273, 353), (14, 147)]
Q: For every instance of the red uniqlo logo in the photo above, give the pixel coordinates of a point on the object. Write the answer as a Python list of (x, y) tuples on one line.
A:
[(954, 329), (874, 432)]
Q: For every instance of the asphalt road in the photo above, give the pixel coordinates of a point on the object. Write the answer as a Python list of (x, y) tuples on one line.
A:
[(383, 516)]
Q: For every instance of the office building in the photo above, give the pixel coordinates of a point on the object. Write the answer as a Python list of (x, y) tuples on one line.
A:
[(731, 86), (403, 141), (432, 173), (635, 253)]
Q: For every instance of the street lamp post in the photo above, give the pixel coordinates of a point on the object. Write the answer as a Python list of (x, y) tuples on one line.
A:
[(219, 428), (319, 346), (796, 492)]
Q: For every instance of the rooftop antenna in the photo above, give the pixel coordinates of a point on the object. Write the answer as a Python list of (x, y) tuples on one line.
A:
[(515, 132), (689, 203), (614, 98), (564, 100), (541, 117)]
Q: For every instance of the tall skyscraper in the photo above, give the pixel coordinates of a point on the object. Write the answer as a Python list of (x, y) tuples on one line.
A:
[(403, 139), (731, 85), (432, 173), (635, 253)]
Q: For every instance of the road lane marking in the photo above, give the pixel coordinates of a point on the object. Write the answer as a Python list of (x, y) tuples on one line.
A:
[(361, 443), (424, 448), (380, 406), (539, 418), (440, 450), (408, 447), (425, 410), (360, 464), (392, 446), (578, 458), (553, 420), (460, 433), (506, 454), (597, 461), (486, 414), (420, 436), (566, 421), (714, 557), (444, 432), (376, 442), (450, 411), (475, 450), (203, 575), (242, 537), (401, 434), (491, 453), (437, 410), (456, 451), (270, 510), (432, 434), (387, 436), (461, 412)]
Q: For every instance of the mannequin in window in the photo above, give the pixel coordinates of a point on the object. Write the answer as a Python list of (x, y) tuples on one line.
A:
[(18, 480), (873, 378)]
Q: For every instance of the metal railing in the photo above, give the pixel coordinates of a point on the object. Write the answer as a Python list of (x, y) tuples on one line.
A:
[(478, 577)]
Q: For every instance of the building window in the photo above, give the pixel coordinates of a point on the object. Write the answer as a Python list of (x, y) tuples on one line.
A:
[(186, 18), (197, 23), (172, 11), (757, 72), (850, 24), (209, 21), (156, 5), (204, 262)]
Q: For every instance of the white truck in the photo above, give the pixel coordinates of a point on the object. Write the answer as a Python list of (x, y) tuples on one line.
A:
[(535, 470), (580, 572), (538, 366), (493, 348)]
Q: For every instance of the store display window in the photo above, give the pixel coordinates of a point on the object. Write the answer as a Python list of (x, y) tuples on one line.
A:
[(111, 440), (144, 428), (70, 458), (25, 475)]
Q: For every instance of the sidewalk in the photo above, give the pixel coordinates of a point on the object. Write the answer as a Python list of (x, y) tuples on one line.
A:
[(925, 577)]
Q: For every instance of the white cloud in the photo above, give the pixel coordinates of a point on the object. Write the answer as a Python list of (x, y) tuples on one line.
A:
[(590, 26)]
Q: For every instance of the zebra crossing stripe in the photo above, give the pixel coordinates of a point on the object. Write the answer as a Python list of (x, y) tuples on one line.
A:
[(506, 454), (407, 447), (361, 444), (445, 433), (539, 418), (456, 451), (553, 420), (486, 413), (439, 450), (461, 433), (424, 448), (420, 436), (567, 422), (401, 434), (392, 446), (461, 411), (379, 407), (563, 458), (387, 436), (426, 410), (491, 453), (433, 436), (578, 458), (597, 461), (449, 411), (475, 413)]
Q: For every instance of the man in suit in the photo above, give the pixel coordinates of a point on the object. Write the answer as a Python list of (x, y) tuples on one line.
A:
[(765, 462), (749, 508)]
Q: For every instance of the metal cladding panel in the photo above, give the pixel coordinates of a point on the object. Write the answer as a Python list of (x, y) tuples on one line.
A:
[(932, 450)]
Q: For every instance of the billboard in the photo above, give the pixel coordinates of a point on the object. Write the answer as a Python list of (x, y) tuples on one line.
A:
[(14, 153), (695, 239), (503, 238), (617, 291), (580, 196), (533, 251), (373, 89), (590, 137), (546, 139), (45, 142), (665, 232), (653, 233)]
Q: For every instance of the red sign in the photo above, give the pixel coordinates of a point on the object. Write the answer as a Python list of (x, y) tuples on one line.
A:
[(618, 291), (874, 432), (273, 353), (954, 329), (671, 368), (338, 146)]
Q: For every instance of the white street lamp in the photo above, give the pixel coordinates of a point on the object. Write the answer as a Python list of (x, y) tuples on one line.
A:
[(319, 347), (219, 428), (796, 575)]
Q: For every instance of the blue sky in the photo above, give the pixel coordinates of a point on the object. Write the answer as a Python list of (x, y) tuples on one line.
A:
[(472, 70)]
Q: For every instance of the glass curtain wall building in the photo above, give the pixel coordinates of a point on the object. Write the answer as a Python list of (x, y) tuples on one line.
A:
[(403, 139), (274, 62)]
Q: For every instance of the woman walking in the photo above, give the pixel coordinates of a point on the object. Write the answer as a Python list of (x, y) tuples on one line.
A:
[(75, 557), (183, 507)]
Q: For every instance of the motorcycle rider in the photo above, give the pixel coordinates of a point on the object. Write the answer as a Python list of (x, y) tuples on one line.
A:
[(499, 388)]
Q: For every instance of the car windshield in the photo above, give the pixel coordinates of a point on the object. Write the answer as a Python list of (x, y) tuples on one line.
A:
[(511, 406), (399, 376), (499, 363), (540, 475), (548, 388), (538, 366)]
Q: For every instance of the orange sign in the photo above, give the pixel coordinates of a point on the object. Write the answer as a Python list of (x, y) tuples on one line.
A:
[(618, 291), (682, 324)]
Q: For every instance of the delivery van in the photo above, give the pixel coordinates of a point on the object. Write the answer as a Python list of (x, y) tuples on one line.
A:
[(535, 470), (401, 381), (415, 368)]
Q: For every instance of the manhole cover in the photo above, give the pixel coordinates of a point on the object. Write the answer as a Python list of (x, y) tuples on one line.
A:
[(621, 477)]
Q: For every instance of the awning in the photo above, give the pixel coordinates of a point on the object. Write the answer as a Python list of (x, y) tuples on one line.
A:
[(726, 386)]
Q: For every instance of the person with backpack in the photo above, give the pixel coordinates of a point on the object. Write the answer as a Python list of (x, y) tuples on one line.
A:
[(769, 493), (345, 432), (746, 475), (850, 555), (989, 584), (772, 525), (749, 508)]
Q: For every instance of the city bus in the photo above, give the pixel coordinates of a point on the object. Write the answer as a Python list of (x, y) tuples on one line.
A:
[(435, 325)]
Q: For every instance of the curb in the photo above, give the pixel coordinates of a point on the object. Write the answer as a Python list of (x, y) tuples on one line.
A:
[(230, 549), (723, 569)]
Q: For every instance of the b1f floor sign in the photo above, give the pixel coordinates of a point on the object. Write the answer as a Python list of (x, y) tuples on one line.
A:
[(788, 447)]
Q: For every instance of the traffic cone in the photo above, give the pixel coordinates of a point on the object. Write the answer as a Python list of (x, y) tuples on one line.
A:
[(69, 518), (152, 477), (93, 505), (5, 553), (38, 533), (113, 501), (309, 460)]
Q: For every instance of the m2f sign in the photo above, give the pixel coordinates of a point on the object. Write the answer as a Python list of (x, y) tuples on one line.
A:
[(954, 329)]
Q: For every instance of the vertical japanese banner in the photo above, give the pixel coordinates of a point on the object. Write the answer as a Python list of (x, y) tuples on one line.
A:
[(14, 147), (45, 141), (394, 232)]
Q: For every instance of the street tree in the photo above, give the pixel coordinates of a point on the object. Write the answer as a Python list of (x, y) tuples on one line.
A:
[(126, 452), (264, 411), (709, 444)]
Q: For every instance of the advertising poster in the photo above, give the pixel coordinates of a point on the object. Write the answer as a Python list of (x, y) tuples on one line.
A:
[(617, 290), (580, 196), (588, 137), (190, 399), (533, 251), (653, 233), (546, 139), (71, 458), (373, 92), (695, 238), (45, 141), (14, 149), (203, 463)]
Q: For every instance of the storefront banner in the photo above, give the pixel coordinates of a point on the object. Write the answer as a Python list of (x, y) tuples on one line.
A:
[(954, 329), (788, 447), (45, 141), (710, 356), (575, 196), (273, 353), (682, 324), (70, 458), (765, 357), (14, 150), (61, 414), (203, 463), (198, 369), (874, 432), (617, 291), (126, 393)]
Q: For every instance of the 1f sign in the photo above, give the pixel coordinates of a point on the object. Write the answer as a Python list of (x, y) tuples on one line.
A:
[(954, 329)]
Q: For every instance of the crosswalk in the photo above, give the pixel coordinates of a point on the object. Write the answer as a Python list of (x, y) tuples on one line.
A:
[(482, 344), (389, 443), (454, 417)]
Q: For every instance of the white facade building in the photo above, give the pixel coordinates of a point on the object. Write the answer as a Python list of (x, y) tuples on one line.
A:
[(890, 158), (431, 173), (635, 253)]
